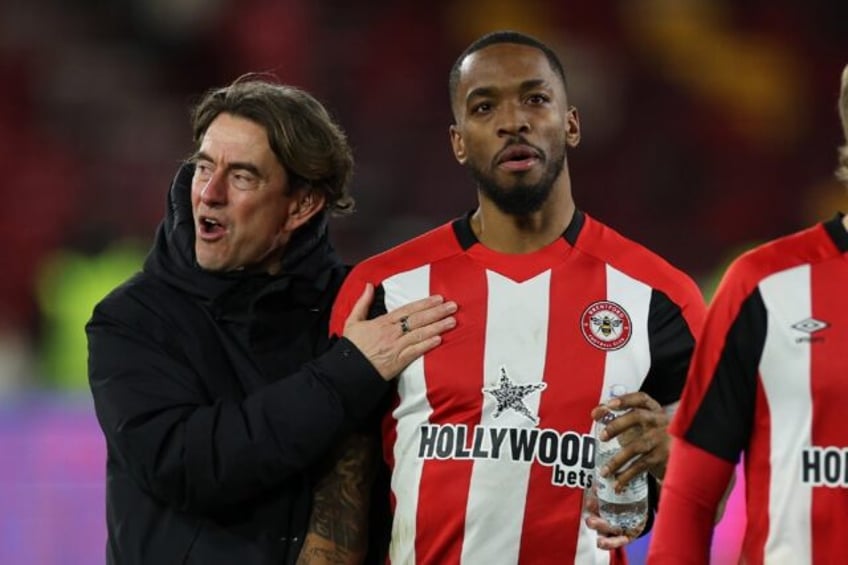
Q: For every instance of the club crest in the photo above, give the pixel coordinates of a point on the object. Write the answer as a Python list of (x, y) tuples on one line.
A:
[(606, 325)]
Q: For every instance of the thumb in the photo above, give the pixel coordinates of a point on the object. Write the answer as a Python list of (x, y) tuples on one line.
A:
[(359, 312)]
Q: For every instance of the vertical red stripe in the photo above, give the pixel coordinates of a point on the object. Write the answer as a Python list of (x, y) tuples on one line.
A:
[(574, 372), (458, 363), (758, 480), (829, 388)]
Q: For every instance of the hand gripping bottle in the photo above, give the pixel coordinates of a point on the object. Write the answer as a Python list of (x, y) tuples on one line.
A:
[(627, 509)]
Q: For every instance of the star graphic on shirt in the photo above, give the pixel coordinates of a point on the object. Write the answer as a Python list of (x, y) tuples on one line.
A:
[(510, 395)]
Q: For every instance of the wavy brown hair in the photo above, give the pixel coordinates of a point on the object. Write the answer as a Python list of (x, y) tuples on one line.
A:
[(308, 143)]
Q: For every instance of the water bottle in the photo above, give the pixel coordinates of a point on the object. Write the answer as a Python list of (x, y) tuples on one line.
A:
[(627, 509)]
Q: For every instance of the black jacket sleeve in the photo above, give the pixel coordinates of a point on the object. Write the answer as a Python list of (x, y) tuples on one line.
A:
[(199, 451)]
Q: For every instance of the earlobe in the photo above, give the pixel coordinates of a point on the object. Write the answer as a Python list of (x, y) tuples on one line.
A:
[(458, 145)]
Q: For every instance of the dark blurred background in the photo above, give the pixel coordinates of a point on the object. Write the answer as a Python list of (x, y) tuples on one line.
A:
[(708, 125)]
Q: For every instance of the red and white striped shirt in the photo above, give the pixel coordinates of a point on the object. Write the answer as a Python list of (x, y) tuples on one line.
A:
[(770, 379), (488, 436)]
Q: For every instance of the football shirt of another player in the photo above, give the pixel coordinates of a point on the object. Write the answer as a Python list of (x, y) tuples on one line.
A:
[(488, 437), (770, 380)]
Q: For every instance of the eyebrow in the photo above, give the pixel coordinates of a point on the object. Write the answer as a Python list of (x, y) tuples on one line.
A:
[(488, 91), (236, 165)]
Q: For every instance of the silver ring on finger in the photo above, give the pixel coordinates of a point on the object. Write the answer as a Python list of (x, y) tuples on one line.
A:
[(404, 325)]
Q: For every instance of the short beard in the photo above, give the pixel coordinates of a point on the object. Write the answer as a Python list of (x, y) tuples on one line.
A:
[(521, 199)]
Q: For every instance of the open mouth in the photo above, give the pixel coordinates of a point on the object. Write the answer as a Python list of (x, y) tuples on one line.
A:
[(518, 157), (210, 228)]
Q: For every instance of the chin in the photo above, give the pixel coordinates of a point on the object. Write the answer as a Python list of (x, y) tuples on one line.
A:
[(208, 263)]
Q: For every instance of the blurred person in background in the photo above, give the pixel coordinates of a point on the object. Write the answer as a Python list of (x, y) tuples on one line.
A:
[(555, 308), (768, 380), (227, 409)]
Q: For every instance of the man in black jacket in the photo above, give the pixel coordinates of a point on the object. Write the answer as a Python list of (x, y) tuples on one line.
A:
[(221, 397)]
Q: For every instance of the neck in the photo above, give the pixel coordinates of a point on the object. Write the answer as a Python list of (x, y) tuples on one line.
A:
[(506, 233)]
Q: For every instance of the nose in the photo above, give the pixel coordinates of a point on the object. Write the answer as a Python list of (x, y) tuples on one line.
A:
[(513, 120), (214, 191)]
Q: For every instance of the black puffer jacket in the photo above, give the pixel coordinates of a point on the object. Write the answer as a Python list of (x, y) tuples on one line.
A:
[(218, 394)]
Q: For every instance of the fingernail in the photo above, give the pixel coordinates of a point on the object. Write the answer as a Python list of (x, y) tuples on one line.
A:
[(604, 435), (614, 403), (451, 306), (604, 471)]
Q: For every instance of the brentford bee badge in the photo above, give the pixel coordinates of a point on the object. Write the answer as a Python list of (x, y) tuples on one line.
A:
[(606, 325)]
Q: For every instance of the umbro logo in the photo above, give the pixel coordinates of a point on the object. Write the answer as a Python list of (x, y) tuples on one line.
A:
[(809, 326)]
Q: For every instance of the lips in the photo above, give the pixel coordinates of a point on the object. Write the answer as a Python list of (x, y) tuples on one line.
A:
[(517, 153), (518, 158), (210, 229)]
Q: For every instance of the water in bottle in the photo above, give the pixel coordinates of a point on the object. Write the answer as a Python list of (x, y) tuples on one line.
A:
[(627, 509)]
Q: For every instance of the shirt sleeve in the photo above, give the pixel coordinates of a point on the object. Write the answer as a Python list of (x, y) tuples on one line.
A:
[(672, 341), (713, 423), (717, 409), (694, 485)]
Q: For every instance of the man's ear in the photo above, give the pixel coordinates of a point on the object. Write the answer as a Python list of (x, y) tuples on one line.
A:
[(458, 144), (303, 207), (572, 127)]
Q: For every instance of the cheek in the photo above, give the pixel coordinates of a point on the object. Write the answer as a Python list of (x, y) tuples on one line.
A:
[(195, 193), (263, 221), (479, 154)]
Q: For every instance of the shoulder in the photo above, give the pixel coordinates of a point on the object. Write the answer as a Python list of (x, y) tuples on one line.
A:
[(424, 249), (636, 261), (138, 287), (804, 248), (140, 301), (415, 253)]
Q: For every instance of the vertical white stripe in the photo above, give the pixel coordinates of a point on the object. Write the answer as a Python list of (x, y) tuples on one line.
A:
[(785, 374), (413, 411), (627, 366), (516, 339)]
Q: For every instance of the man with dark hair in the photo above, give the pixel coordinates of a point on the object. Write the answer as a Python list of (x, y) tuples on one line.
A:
[(768, 380), (224, 403), (488, 436)]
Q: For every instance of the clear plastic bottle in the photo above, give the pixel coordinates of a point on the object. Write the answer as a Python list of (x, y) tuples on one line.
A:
[(627, 509)]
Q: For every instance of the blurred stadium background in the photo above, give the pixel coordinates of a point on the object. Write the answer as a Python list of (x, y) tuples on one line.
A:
[(708, 125)]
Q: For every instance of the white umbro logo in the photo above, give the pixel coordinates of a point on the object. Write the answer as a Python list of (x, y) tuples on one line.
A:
[(810, 325)]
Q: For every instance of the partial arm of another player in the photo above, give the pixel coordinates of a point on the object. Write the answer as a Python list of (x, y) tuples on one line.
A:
[(714, 423), (695, 487)]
